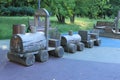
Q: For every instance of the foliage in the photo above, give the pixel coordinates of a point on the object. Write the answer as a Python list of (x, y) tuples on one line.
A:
[(92, 8), (62, 8), (17, 11), (115, 7)]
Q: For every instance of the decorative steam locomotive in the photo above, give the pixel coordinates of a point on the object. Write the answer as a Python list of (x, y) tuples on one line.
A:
[(25, 48)]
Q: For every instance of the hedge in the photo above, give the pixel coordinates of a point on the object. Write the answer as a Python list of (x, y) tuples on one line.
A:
[(16, 11)]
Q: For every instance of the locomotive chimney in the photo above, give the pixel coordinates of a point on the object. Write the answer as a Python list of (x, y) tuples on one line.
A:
[(70, 33), (33, 29), (19, 29), (22, 28)]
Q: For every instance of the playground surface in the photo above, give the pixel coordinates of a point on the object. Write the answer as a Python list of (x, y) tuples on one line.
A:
[(97, 63)]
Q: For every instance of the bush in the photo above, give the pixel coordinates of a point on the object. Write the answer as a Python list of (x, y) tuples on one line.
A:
[(12, 11), (16, 11), (30, 11), (5, 11)]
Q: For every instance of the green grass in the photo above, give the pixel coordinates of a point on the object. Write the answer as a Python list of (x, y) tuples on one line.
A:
[(6, 24), (80, 24)]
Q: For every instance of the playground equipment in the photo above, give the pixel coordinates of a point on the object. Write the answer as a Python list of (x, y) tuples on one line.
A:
[(109, 29), (95, 37), (86, 38), (90, 38), (72, 42), (41, 41), (25, 48)]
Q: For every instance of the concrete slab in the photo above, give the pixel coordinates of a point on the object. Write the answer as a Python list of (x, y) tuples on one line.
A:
[(97, 54), (61, 69)]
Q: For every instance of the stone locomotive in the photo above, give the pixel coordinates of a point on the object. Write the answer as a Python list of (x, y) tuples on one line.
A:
[(25, 48)]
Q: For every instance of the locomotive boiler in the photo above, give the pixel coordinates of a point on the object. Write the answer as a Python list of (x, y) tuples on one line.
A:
[(27, 43), (72, 42)]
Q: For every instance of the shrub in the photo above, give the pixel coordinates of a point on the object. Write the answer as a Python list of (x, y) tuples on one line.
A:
[(30, 11), (17, 11), (5, 11)]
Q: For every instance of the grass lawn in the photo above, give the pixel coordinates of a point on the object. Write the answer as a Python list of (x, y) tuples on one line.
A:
[(6, 24)]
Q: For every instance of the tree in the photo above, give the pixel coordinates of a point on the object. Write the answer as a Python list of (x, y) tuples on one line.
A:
[(69, 8), (92, 8), (103, 7), (115, 6), (62, 9)]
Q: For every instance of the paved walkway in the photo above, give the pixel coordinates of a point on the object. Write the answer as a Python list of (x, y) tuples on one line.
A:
[(97, 63)]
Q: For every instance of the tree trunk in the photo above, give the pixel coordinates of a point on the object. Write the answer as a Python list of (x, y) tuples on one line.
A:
[(72, 18), (61, 18)]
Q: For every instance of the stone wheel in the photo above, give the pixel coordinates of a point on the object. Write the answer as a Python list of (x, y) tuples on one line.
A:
[(80, 46), (59, 51), (72, 48), (29, 60), (97, 42), (42, 56), (14, 58), (90, 44)]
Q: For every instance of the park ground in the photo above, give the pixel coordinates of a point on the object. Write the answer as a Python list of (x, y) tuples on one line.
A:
[(97, 63)]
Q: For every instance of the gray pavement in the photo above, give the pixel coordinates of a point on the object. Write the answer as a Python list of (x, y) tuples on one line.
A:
[(97, 63), (97, 54), (4, 44)]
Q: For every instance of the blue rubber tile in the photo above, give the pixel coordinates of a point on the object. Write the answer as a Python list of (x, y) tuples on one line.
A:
[(110, 42)]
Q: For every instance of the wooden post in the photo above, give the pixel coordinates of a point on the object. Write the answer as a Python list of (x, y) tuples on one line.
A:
[(36, 21), (46, 30), (117, 22)]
